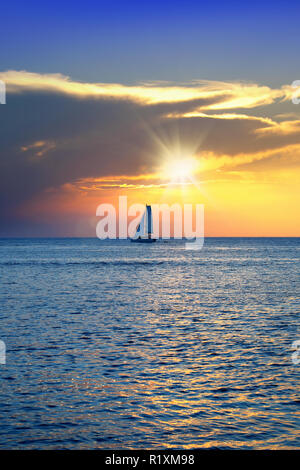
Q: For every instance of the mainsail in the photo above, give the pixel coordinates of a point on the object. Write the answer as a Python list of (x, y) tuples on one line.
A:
[(140, 231)]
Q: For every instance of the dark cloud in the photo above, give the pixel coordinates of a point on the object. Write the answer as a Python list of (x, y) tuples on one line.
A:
[(93, 137)]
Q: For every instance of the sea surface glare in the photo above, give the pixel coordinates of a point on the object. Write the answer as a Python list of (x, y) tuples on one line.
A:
[(120, 345)]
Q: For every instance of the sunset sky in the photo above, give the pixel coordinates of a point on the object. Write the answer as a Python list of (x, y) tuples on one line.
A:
[(177, 103)]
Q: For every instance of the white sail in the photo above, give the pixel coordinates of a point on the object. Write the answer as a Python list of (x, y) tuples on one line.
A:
[(141, 228)]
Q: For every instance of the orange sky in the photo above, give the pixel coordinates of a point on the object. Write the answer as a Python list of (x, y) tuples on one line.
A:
[(236, 203), (234, 147)]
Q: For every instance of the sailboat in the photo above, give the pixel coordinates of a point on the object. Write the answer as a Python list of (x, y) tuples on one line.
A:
[(145, 228)]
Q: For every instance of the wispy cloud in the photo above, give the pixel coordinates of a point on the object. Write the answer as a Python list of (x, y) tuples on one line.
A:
[(38, 149), (230, 95)]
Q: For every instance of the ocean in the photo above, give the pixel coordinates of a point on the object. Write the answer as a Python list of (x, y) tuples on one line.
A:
[(116, 345)]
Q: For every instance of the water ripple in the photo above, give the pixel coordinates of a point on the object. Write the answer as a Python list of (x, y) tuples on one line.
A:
[(113, 345)]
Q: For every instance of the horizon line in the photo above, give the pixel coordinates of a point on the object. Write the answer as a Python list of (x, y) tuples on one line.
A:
[(124, 239)]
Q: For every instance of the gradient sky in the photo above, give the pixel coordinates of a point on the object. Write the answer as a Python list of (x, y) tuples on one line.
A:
[(192, 80), (130, 41)]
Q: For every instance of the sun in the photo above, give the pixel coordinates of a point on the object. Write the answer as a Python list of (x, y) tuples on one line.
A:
[(180, 170)]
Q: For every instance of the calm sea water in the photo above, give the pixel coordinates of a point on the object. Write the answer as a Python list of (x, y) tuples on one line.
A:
[(120, 345)]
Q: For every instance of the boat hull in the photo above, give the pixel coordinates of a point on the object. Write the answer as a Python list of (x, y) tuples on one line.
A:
[(144, 240)]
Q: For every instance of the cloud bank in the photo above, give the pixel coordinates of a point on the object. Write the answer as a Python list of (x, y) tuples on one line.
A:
[(56, 132)]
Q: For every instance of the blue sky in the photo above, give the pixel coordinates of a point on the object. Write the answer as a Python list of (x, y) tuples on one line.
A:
[(126, 42)]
